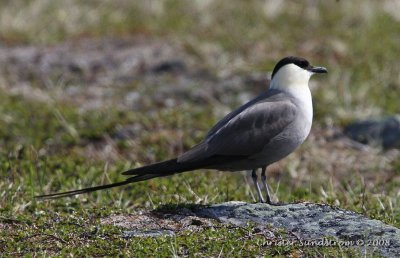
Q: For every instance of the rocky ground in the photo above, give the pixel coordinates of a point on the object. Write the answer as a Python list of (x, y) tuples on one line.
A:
[(304, 223)]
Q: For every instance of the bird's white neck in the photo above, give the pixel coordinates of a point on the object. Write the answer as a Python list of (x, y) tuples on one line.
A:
[(289, 77), (294, 80)]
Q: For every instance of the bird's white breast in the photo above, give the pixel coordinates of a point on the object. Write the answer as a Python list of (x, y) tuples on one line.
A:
[(304, 103)]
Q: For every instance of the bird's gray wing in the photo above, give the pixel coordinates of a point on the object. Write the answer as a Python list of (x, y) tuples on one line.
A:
[(271, 95), (248, 131)]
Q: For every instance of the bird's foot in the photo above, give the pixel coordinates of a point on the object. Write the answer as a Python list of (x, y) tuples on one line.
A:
[(274, 203), (277, 203)]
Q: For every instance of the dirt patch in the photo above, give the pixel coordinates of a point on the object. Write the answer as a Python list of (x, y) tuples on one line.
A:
[(159, 223), (96, 73)]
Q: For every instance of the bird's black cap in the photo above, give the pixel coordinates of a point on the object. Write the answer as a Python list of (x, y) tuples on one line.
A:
[(300, 62)]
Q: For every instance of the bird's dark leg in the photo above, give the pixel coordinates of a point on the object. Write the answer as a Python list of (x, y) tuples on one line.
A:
[(264, 181), (254, 176)]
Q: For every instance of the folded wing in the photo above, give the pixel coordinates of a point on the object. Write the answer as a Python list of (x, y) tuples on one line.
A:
[(246, 131)]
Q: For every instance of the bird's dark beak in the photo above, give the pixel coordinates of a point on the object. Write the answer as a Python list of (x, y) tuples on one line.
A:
[(315, 69)]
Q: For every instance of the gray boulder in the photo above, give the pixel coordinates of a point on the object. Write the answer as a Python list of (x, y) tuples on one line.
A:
[(379, 132), (312, 224)]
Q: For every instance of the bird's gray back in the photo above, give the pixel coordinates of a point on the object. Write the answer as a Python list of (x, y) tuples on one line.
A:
[(271, 95), (246, 131)]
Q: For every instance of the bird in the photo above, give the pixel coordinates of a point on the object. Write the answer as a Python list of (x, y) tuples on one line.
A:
[(261, 132)]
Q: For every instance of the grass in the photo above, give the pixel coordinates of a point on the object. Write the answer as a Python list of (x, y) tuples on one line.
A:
[(60, 226), (47, 147)]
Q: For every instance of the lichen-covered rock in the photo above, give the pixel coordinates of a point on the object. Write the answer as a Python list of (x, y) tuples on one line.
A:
[(312, 223)]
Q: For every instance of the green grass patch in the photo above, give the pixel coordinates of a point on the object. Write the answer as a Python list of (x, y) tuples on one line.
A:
[(42, 153)]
